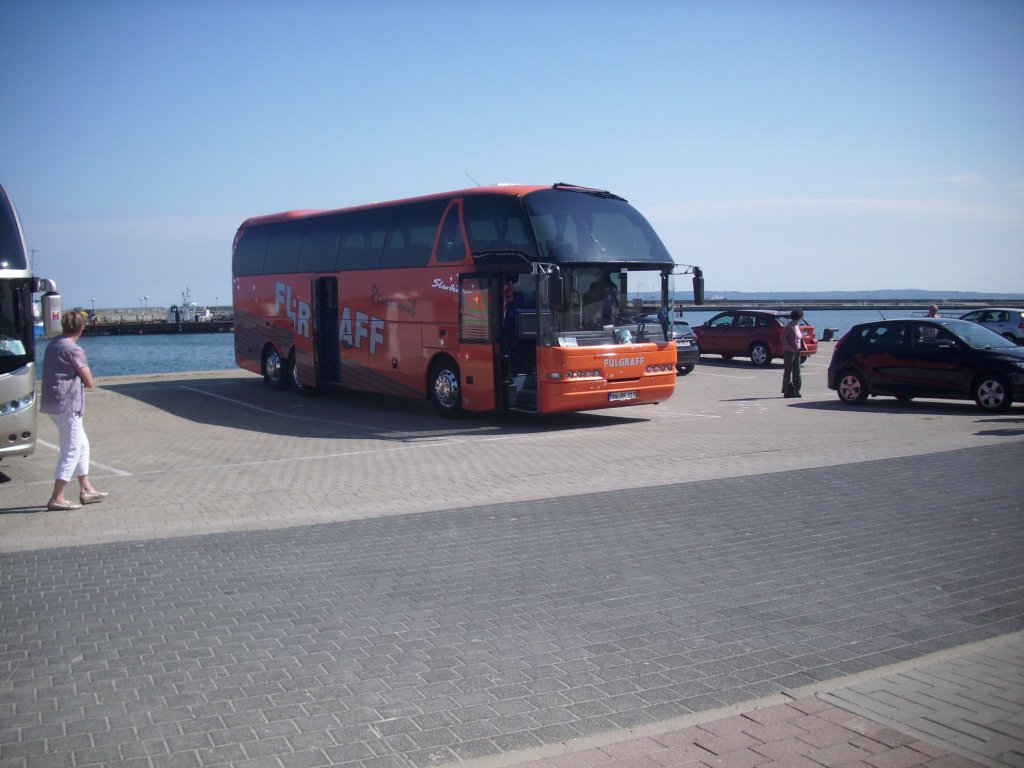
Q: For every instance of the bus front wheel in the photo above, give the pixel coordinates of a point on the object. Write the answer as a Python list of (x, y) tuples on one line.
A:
[(445, 392), (274, 368)]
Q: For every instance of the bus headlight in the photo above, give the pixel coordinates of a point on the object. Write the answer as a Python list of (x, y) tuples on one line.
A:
[(10, 406)]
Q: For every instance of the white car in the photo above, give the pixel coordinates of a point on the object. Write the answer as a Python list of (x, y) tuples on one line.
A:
[(1007, 322)]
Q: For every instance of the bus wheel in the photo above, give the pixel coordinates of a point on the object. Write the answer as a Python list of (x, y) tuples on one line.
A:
[(298, 386), (274, 372), (445, 392)]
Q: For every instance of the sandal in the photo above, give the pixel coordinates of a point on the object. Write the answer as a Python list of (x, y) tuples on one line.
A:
[(61, 506)]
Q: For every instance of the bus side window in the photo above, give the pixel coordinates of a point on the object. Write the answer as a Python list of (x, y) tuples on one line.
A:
[(451, 246), (363, 239), (320, 245), (251, 251), (283, 249), (497, 223), (411, 236)]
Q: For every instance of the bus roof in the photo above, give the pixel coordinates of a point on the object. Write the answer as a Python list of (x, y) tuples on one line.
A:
[(499, 189)]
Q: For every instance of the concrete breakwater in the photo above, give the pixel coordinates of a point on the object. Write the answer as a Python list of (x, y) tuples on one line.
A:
[(134, 328)]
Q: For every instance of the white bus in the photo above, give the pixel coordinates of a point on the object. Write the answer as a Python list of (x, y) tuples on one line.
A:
[(18, 335)]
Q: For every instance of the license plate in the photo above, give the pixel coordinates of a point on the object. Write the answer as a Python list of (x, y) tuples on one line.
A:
[(684, 344), (617, 396)]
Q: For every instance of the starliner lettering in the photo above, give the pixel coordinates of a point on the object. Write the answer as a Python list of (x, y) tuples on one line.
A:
[(442, 285), (623, 362)]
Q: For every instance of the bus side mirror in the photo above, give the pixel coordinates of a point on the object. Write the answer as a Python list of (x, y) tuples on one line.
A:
[(52, 311), (556, 291), (698, 286)]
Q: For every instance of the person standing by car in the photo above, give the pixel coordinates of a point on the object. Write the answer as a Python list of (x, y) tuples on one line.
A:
[(792, 347), (933, 310), (66, 376)]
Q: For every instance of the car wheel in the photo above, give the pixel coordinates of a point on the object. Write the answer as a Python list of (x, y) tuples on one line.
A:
[(684, 369), (760, 355), (851, 388), (274, 368), (992, 393), (445, 392)]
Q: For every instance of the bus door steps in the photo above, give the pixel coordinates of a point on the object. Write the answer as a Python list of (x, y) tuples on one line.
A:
[(522, 392)]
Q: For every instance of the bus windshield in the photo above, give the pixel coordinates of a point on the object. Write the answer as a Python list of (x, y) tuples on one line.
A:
[(16, 325), (583, 226), (590, 305)]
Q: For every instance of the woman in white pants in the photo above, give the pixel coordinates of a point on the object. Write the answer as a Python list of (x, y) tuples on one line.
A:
[(66, 375)]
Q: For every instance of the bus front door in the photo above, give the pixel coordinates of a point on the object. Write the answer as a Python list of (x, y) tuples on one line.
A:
[(479, 342), (325, 329)]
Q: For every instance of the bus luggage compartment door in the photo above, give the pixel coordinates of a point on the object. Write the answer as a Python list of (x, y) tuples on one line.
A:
[(325, 330)]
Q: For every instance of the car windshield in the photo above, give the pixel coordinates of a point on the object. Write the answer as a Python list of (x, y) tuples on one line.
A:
[(979, 336)]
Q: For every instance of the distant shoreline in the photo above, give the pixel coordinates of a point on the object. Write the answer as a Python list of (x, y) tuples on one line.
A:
[(841, 304)]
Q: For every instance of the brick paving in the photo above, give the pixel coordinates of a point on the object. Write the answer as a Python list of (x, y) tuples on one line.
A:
[(806, 733), (728, 620), (865, 722)]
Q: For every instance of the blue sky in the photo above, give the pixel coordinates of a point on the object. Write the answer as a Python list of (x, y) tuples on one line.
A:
[(781, 145)]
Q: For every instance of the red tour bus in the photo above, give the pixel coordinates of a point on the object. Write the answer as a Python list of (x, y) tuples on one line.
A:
[(492, 298)]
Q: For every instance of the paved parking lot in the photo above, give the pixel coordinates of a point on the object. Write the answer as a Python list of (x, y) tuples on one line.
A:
[(348, 579)]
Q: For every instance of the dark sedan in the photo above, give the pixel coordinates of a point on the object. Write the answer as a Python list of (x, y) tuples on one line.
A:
[(927, 357), (687, 350)]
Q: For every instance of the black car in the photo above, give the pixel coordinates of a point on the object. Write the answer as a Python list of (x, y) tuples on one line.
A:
[(927, 357), (687, 350)]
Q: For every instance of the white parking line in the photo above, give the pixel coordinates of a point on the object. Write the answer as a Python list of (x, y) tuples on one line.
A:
[(722, 375), (115, 470)]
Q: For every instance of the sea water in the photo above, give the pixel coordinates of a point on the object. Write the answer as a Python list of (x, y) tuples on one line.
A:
[(153, 353)]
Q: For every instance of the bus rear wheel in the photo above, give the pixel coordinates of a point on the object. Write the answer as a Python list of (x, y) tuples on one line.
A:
[(274, 368), (303, 389), (445, 392)]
